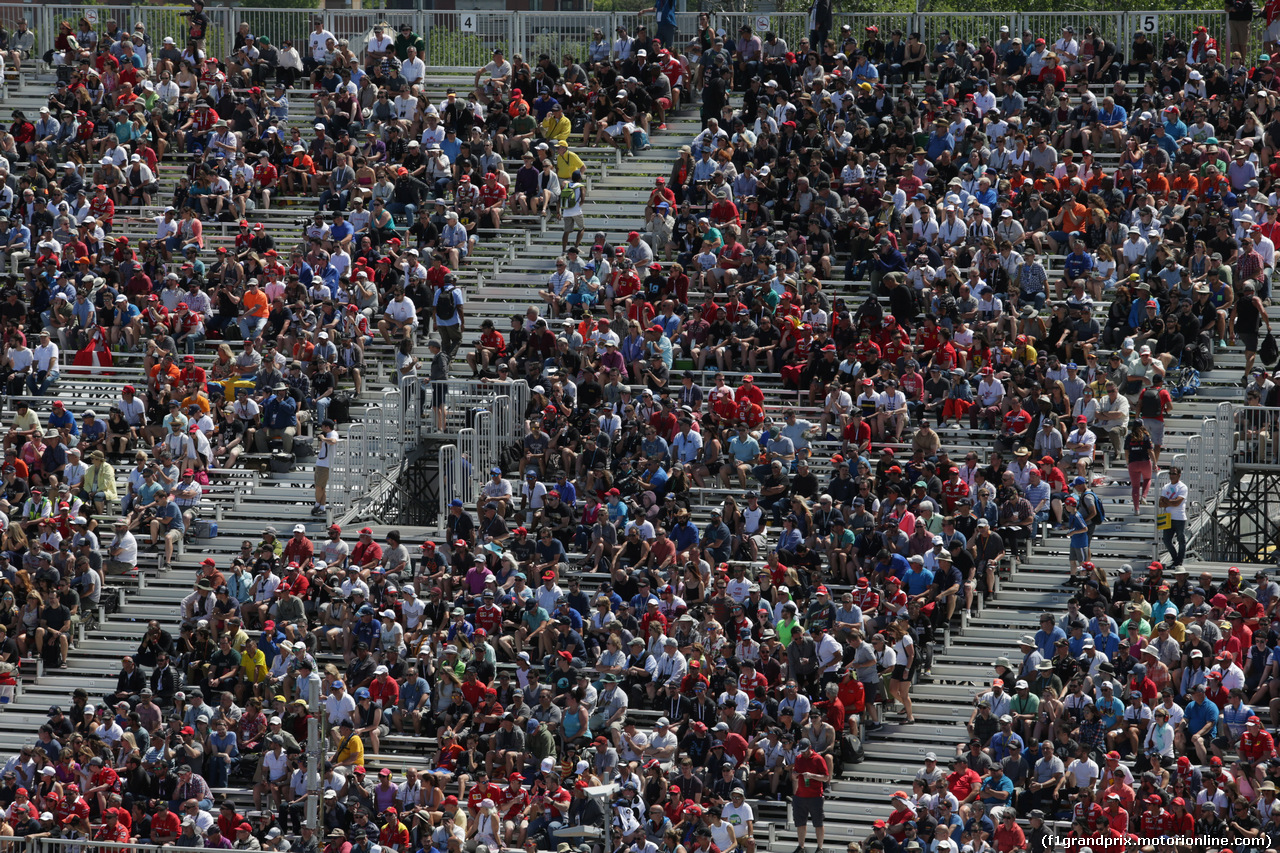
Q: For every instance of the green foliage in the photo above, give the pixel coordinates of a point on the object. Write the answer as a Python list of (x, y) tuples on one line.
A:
[(969, 6), (625, 5), (297, 4), (450, 48)]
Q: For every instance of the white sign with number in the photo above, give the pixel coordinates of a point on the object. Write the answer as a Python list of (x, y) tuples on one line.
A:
[(1146, 22), (762, 23), (467, 23), (91, 15)]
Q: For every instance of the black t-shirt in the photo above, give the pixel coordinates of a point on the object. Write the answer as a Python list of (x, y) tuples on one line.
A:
[(56, 618)]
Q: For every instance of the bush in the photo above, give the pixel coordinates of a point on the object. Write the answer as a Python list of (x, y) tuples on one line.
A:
[(452, 48)]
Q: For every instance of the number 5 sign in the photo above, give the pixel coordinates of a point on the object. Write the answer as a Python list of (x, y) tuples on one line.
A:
[(1145, 22), (467, 24)]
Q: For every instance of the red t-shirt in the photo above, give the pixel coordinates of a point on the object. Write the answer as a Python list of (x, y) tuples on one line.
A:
[(166, 824), (493, 196), (750, 391), (810, 762)]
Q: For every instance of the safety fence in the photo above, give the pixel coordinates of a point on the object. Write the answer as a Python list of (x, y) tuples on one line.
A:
[(455, 39), (483, 417), (1206, 470), (1255, 434)]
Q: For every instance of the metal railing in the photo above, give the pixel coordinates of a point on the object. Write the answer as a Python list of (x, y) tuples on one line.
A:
[(1255, 435), (1207, 468), (465, 40), (456, 478)]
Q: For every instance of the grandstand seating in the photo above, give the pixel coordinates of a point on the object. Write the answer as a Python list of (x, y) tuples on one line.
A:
[(502, 276)]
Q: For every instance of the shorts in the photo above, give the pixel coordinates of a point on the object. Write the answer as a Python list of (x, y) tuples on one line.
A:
[(1249, 340), (1223, 743), (806, 810), (578, 222), (1155, 427), (899, 673), (1078, 555), (872, 689), (322, 476)]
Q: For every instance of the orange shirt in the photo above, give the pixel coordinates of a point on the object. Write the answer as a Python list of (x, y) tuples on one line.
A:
[(1074, 217), (304, 163), (1185, 186), (255, 303), (1158, 185)]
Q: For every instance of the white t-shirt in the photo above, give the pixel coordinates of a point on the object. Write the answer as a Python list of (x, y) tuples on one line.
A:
[(401, 310), (737, 817), (324, 453), (46, 357), (316, 44), (1173, 491), (20, 359)]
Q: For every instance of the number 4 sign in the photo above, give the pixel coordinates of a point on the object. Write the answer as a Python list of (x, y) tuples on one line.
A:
[(468, 22)]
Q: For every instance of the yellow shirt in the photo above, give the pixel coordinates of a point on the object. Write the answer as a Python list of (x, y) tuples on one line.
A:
[(31, 420), (101, 478), (352, 753), (566, 164), (253, 667), (556, 130)]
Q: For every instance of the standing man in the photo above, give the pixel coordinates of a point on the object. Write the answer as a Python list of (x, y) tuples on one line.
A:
[(324, 462), (1240, 15), (439, 373), (1173, 500), (809, 776), (447, 309), (819, 24), (665, 13)]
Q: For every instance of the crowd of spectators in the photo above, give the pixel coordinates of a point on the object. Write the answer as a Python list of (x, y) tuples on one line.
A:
[(677, 599)]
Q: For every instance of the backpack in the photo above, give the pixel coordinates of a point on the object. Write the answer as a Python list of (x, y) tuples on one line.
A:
[(445, 306), (1269, 352), (568, 195), (1097, 504), (1199, 355), (1183, 382), (852, 750)]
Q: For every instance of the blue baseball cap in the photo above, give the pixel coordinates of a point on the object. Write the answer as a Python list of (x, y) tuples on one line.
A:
[(1079, 481), (455, 502)]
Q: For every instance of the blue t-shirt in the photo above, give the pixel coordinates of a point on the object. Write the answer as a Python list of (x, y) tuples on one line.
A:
[(170, 516), (341, 232), (918, 582), (1081, 539)]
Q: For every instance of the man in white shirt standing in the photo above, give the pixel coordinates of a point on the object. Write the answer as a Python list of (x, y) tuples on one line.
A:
[(1173, 501), (324, 461), (45, 372)]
